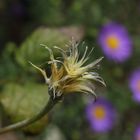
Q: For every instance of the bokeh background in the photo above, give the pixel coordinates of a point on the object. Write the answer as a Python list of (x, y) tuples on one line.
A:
[(24, 25)]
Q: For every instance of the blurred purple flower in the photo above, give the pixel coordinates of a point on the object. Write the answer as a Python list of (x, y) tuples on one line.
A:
[(134, 84), (115, 42), (137, 133), (101, 115)]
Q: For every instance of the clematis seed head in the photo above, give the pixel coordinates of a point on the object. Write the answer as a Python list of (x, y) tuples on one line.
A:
[(72, 73)]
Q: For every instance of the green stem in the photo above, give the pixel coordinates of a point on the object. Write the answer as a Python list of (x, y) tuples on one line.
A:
[(50, 104)]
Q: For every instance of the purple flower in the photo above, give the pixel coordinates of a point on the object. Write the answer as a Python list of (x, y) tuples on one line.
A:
[(134, 84), (101, 115), (137, 133), (115, 42)]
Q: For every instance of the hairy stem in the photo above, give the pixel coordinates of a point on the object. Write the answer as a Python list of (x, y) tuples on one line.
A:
[(50, 104)]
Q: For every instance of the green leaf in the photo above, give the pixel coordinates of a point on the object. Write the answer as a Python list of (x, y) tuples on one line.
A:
[(24, 101), (31, 50)]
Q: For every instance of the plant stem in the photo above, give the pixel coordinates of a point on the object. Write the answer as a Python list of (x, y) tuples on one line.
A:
[(50, 104)]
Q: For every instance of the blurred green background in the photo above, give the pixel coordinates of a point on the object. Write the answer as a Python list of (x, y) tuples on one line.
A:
[(24, 25)]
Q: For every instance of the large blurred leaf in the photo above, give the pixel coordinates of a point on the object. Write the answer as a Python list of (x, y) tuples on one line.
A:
[(31, 49), (24, 101)]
